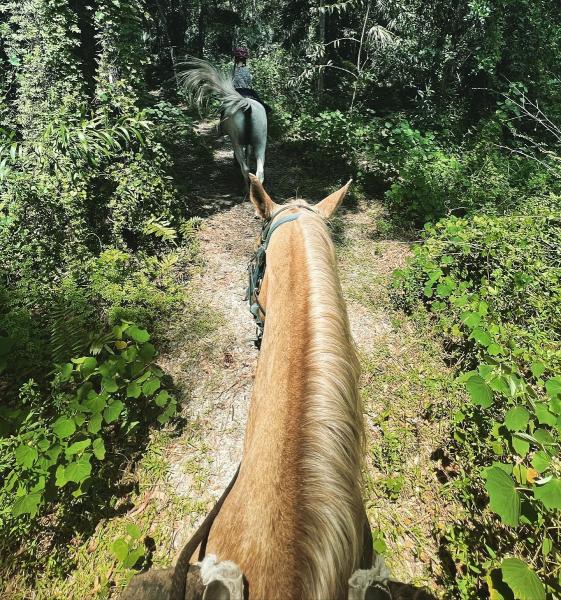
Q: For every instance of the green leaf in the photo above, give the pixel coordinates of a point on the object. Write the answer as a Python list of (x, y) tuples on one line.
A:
[(471, 319), (494, 349), (522, 580), (27, 505), (120, 549), (150, 386), (516, 419), (26, 455), (66, 371), (77, 447), (60, 477), (78, 471), (504, 499), (133, 390), (500, 384), (147, 352), (88, 366), (134, 531), (543, 437), (553, 386), (541, 461), (544, 416), (109, 385), (94, 424), (112, 412), (538, 369), (64, 427), (133, 557), (138, 335), (99, 448), (521, 447), (481, 336), (95, 403), (162, 398), (549, 494), (479, 391)]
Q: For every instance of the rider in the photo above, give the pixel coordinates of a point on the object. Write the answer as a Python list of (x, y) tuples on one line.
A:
[(241, 77)]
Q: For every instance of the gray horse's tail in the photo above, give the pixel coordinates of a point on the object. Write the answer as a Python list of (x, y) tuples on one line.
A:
[(202, 80)]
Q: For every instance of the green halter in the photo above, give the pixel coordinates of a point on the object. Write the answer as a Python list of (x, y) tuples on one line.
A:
[(258, 263)]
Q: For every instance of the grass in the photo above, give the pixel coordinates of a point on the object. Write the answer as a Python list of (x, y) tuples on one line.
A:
[(409, 395)]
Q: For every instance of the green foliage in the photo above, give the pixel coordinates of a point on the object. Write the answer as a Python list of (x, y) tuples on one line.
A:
[(57, 444), (493, 284), (129, 550)]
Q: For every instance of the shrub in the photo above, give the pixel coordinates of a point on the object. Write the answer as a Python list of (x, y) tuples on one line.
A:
[(53, 445), (493, 283)]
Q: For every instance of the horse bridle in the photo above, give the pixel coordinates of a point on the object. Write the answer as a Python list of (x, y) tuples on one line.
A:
[(258, 264)]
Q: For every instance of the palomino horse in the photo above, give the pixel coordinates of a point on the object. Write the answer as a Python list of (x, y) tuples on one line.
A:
[(293, 521), (245, 119)]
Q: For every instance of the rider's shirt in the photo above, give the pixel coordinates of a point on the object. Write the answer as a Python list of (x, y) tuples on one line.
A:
[(242, 77)]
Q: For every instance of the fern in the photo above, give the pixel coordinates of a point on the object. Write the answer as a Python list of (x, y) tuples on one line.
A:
[(160, 227), (68, 337), (190, 227)]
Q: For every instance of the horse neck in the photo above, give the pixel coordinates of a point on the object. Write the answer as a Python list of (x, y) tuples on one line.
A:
[(305, 427)]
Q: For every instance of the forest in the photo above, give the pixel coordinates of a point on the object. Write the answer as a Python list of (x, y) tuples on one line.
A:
[(125, 231)]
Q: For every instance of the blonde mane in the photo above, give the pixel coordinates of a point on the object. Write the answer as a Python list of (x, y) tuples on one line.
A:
[(332, 430)]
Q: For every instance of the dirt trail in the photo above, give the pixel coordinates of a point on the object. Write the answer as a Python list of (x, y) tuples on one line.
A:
[(219, 384)]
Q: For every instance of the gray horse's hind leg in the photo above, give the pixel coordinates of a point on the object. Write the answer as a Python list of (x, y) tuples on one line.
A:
[(239, 154)]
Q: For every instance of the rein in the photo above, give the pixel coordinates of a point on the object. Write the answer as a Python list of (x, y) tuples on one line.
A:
[(258, 264)]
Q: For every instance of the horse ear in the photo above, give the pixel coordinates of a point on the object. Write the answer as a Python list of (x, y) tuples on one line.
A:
[(327, 207), (264, 206)]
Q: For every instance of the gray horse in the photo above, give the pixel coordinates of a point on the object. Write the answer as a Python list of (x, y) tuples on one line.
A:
[(244, 119)]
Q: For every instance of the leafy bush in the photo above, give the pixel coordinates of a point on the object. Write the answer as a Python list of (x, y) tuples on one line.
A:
[(53, 447), (493, 284)]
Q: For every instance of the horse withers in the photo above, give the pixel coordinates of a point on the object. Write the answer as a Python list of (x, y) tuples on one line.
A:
[(244, 119), (293, 526)]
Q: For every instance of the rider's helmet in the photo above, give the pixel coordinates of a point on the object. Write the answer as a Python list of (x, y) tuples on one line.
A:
[(241, 54)]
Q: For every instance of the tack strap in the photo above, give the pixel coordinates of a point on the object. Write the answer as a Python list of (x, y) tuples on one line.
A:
[(258, 263), (179, 579)]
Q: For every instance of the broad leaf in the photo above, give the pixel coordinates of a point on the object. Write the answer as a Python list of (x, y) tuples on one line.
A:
[(481, 336), (541, 461), (138, 335), (544, 416), (504, 499), (516, 419), (99, 448), (162, 398), (522, 580), (549, 494), (553, 386), (78, 470), (88, 366), (109, 384), (134, 531), (27, 504), (112, 412), (64, 427), (479, 391), (120, 549), (151, 386), (26, 455), (133, 390), (77, 447), (94, 424)]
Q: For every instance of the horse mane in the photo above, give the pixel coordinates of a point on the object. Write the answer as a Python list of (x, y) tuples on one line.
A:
[(200, 79), (332, 430)]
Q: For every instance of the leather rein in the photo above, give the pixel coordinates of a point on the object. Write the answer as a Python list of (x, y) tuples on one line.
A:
[(258, 264)]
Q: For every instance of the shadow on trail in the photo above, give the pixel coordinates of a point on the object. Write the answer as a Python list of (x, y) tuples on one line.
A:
[(215, 183)]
